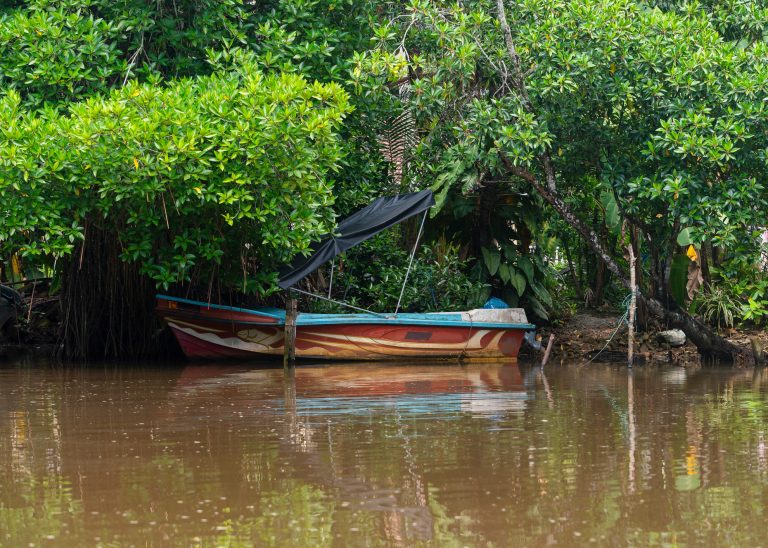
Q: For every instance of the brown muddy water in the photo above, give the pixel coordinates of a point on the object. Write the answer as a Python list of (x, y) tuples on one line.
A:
[(382, 455)]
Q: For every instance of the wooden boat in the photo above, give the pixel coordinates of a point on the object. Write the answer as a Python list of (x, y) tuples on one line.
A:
[(215, 331)]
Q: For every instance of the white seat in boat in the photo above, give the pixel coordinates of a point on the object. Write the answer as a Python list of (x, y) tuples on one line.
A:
[(496, 315)]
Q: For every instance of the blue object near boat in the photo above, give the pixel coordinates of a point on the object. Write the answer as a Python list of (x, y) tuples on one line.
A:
[(495, 302)]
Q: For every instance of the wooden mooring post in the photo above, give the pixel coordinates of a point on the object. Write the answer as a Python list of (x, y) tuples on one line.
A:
[(289, 345), (632, 307), (545, 359)]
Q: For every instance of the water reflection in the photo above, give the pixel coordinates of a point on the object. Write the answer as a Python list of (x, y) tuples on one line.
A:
[(381, 454)]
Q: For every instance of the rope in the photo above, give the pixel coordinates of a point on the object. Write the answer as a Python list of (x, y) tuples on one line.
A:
[(410, 262), (338, 302), (624, 319)]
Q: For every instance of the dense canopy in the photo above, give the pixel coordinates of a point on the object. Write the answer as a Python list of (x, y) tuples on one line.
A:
[(201, 145)]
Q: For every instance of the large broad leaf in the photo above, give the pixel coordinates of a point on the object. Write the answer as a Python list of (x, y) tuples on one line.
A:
[(492, 259), (505, 273), (542, 293), (518, 281), (684, 238), (537, 308), (440, 188), (510, 251), (525, 264), (612, 218), (450, 173), (678, 278)]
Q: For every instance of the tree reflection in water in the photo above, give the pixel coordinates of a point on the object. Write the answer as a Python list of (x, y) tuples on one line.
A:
[(381, 454)]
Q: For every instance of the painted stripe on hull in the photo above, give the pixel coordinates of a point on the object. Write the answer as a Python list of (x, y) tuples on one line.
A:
[(197, 348), (346, 342)]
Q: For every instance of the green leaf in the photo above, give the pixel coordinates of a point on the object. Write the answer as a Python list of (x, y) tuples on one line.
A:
[(505, 272), (612, 217), (510, 252), (525, 264), (542, 293), (492, 260), (537, 307), (518, 281), (684, 238), (678, 278), (440, 190)]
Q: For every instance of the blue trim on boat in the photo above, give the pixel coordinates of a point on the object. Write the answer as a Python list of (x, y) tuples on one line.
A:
[(268, 311), (440, 319)]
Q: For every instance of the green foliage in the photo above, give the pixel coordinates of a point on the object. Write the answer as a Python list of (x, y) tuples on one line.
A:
[(742, 21), (57, 54), (658, 106), (372, 276), (717, 306), (756, 308), (522, 277), (315, 37), (321, 39), (236, 166), (611, 207), (739, 294), (174, 37), (753, 294), (678, 278)]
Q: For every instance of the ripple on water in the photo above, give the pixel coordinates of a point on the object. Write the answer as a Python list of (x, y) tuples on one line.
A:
[(382, 454)]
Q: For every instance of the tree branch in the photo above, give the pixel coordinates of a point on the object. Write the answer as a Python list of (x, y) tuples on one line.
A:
[(706, 340)]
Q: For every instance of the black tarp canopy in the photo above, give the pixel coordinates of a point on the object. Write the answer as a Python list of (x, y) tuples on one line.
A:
[(357, 228)]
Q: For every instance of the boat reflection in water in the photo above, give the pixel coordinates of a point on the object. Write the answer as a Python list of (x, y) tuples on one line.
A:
[(315, 400), (362, 389), (383, 455)]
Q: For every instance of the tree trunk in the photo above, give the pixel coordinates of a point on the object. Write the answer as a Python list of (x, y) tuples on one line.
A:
[(705, 274), (708, 342), (632, 305), (642, 311), (574, 275), (108, 307), (600, 281)]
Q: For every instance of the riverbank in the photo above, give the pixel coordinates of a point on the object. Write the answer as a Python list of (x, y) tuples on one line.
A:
[(590, 337)]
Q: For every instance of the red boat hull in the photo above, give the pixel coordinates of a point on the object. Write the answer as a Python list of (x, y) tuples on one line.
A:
[(216, 334)]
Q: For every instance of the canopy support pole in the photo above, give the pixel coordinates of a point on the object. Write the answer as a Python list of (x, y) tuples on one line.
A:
[(313, 295), (330, 284), (410, 262)]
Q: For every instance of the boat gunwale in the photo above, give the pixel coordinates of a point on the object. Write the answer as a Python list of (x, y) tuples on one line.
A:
[(269, 312), (304, 319)]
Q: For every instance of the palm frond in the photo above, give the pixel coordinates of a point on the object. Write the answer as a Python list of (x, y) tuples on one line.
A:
[(396, 142)]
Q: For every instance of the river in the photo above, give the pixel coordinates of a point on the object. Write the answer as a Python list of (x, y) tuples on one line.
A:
[(382, 455)]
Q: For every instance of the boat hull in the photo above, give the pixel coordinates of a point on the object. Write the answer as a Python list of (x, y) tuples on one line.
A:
[(205, 333)]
